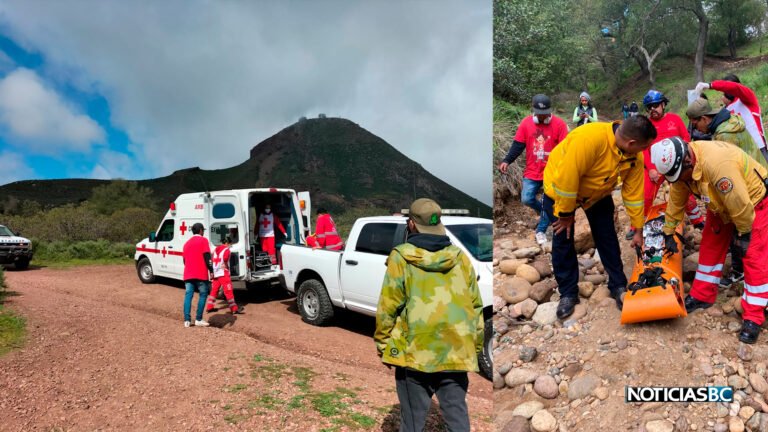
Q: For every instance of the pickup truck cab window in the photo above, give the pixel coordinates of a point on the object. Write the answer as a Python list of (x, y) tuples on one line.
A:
[(477, 238), (380, 238)]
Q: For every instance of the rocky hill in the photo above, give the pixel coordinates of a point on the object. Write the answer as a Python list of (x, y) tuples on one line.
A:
[(343, 165)]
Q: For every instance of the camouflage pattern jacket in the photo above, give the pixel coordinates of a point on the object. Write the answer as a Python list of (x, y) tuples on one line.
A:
[(429, 316)]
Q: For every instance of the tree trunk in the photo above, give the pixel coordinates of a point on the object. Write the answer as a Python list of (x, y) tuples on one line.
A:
[(732, 42), (701, 41), (640, 59), (649, 59)]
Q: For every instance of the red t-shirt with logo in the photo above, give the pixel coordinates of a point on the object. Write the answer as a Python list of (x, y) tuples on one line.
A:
[(194, 263), (539, 140), (666, 127)]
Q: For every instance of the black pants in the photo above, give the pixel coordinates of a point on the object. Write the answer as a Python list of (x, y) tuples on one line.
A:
[(564, 260), (415, 390)]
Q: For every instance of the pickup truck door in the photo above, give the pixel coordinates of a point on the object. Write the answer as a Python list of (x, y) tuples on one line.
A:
[(363, 264), (226, 219)]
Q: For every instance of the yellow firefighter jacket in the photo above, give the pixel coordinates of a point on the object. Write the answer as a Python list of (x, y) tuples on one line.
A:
[(726, 179), (585, 167)]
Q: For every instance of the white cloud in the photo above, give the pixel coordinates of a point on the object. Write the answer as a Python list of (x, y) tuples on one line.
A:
[(113, 165), (40, 119), (203, 76), (13, 168)]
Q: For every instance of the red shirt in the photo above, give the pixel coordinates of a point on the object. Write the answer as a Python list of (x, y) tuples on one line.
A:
[(746, 105), (327, 236), (666, 127), (194, 263), (539, 140)]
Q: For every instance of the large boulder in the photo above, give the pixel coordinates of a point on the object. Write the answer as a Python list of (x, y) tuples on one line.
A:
[(528, 273), (509, 266), (546, 313), (515, 290), (582, 233), (543, 267), (541, 291)]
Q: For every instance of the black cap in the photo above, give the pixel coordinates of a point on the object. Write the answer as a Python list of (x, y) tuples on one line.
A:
[(541, 104), (197, 228)]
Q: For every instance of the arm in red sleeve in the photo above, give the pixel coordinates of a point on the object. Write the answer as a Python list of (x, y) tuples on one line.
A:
[(742, 92), (279, 225)]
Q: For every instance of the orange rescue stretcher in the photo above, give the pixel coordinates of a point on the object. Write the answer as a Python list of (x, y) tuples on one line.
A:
[(655, 290)]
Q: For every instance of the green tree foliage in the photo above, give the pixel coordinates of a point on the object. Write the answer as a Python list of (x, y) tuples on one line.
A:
[(120, 195), (735, 22)]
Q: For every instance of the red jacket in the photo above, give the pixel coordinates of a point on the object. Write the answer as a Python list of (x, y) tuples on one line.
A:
[(327, 236), (746, 105), (195, 265)]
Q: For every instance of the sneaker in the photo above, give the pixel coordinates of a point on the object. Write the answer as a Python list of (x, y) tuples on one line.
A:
[(201, 323), (691, 304), (186, 323), (734, 277), (749, 332), (541, 238), (630, 234)]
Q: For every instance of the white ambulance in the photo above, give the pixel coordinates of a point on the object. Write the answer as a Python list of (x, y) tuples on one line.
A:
[(230, 213)]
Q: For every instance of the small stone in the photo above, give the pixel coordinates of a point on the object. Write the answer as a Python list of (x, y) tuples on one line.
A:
[(504, 368), (735, 425), (622, 343), (510, 266), (543, 267), (546, 313), (633, 351), (681, 425), (546, 387), (601, 293), (586, 289), (527, 307), (715, 311), (543, 421), (721, 410), (519, 376), (706, 368), (571, 370), (746, 412), (528, 353), (515, 290), (527, 409), (728, 307), (601, 393), (596, 279), (754, 422), (759, 384), (541, 291), (528, 273), (659, 426), (733, 326), (498, 381), (581, 387), (744, 352), (721, 427), (528, 252), (517, 424)]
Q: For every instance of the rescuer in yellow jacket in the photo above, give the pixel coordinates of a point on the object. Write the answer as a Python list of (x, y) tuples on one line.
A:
[(582, 171), (731, 183)]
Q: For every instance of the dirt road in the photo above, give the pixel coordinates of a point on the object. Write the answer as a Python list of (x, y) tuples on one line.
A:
[(105, 352)]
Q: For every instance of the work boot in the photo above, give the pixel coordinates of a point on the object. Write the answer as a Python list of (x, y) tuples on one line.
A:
[(566, 306), (616, 294), (630, 234), (691, 304), (749, 332), (732, 278)]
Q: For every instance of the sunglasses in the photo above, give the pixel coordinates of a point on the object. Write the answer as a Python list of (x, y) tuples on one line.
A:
[(653, 106)]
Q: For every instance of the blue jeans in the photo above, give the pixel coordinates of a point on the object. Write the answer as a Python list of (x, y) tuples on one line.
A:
[(528, 197), (203, 287)]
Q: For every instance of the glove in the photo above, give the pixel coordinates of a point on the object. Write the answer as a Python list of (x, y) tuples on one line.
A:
[(700, 87), (670, 245), (741, 244)]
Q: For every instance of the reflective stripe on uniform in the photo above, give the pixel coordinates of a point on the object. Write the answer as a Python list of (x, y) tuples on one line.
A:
[(339, 244), (756, 289), (639, 203), (710, 269), (707, 278), (562, 193), (755, 301)]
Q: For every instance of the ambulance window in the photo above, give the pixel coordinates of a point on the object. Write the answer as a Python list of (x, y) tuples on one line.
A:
[(220, 231), (377, 238), (166, 231), (223, 211)]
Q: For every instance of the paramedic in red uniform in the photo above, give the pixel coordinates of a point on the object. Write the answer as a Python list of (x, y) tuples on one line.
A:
[(732, 184), (221, 279), (197, 271), (266, 231), (667, 125), (327, 236)]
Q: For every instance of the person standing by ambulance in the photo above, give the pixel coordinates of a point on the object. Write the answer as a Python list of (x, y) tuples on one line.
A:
[(265, 228), (221, 278), (327, 235), (197, 271), (732, 183)]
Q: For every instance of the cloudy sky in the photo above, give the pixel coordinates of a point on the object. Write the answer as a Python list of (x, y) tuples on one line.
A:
[(138, 89)]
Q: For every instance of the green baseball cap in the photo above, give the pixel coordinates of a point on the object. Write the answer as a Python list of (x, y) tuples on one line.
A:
[(426, 213)]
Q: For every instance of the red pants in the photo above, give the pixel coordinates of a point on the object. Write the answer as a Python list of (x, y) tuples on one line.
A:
[(224, 283), (691, 207), (716, 238), (268, 246)]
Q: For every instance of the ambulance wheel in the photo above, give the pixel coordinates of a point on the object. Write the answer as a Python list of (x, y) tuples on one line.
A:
[(22, 264), (146, 274), (485, 360), (314, 305)]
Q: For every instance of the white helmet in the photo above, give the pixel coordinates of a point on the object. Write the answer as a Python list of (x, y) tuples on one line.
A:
[(668, 155)]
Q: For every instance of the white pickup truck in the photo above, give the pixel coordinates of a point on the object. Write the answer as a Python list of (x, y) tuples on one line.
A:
[(351, 279)]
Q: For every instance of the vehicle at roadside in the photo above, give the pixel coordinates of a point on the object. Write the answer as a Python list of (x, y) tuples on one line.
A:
[(351, 279), (14, 249), (232, 213)]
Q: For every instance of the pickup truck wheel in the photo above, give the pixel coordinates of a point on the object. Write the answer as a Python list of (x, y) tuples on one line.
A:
[(485, 361), (146, 274), (314, 305), (22, 264)]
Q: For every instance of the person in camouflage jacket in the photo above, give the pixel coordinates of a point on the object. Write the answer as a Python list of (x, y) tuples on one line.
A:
[(429, 321)]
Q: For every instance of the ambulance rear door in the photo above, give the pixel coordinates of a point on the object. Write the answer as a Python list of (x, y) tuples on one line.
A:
[(225, 216)]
